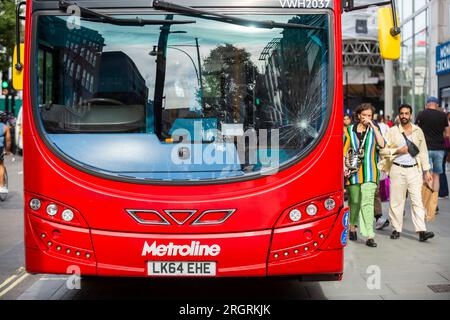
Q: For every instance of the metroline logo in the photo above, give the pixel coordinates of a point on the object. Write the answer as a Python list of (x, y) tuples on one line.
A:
[(194, 249)]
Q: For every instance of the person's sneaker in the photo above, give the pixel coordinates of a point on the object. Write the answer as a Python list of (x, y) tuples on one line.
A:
[(382, 223), (425, 235), (395, 235), (371, 243), (443, 197), (3, 189)]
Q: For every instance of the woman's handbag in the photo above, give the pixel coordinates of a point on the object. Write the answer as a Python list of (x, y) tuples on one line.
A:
[(447, 144), (413, 150), (385, 189), (354, 159)]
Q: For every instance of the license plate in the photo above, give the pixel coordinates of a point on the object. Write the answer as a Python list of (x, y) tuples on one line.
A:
[(181, 268)]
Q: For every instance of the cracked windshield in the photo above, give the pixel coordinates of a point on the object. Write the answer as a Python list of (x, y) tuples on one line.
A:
[(203, 100)]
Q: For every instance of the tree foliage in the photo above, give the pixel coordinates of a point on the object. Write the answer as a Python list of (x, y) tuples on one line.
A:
[(229, 75), (7, 31)]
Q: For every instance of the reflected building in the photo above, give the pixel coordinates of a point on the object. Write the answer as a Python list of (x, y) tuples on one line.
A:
[(295, 80), (425, 30), (120, 79), (76, 66)]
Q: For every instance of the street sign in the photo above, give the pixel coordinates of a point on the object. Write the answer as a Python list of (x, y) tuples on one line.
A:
[(443, 58)]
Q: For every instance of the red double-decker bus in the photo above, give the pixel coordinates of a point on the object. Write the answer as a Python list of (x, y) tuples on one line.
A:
[(194, 138)]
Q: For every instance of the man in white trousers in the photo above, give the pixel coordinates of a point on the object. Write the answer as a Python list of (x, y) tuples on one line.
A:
[(406, 171)]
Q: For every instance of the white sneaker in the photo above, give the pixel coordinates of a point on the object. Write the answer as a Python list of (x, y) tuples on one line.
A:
[(382, 223), (3, 189)]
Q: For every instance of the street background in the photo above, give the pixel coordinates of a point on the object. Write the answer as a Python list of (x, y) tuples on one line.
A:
[(396, 269)]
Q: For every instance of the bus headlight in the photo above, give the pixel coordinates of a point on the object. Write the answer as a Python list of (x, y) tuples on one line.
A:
[(329, 204), (295, 215), (35, 204), (52, 209), (311, 209), (67, 215)]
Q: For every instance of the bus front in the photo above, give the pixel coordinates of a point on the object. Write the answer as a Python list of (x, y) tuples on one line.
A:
[(192, 140)]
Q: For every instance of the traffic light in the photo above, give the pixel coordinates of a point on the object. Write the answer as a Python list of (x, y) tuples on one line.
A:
[(5, 84), (6, 88)]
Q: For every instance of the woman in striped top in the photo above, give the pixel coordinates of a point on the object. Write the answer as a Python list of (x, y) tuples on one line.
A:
[(364, 136)]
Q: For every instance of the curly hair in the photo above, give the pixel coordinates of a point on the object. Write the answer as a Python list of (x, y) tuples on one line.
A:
[(363, 107)]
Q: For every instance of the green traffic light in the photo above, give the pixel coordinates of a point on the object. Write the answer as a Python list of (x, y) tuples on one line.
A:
[(5, 84)]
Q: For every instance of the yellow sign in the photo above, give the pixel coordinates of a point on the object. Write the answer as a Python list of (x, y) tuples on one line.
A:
[(389, 44), (17, 75)]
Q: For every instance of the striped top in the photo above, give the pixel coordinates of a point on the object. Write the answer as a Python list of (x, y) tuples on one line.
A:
[(368, 171)]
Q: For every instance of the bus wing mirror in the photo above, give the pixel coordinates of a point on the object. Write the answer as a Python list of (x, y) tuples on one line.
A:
[(17, 74), (388, 34)]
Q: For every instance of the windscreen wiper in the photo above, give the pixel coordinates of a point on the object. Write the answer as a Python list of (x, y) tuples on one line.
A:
[(85, 12), (267, 24)]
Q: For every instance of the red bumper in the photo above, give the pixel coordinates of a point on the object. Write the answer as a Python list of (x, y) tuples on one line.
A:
[(313, 248)]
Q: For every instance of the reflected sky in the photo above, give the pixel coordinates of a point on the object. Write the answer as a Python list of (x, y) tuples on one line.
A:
[(138, 42)]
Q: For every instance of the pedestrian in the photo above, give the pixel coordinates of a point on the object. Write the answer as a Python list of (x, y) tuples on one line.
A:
[(389, 121), (443, 183), (405, 159), (383, 126), (382, 193), (347, 123), (361, 139), (5, 147), (347, 120), (434, 124)]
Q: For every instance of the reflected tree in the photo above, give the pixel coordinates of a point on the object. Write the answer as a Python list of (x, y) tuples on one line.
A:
[(230, 81)]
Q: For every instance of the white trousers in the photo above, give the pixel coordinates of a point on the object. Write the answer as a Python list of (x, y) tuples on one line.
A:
[(402, 180)]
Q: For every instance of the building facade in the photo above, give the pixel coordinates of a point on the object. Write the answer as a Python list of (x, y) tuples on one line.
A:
[(425, 28)]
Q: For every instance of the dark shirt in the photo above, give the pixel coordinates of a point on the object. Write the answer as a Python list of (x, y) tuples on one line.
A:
[(361, 135), (433, 124)]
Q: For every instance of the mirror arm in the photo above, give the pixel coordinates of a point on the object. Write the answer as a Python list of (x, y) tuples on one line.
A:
[(395, 31), (18, 64), (349, 6)]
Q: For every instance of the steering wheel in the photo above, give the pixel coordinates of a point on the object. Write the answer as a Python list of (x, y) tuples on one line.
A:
[(104, 101)]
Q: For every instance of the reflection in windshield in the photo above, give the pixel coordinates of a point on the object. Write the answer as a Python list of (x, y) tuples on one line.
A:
[(232, 83)]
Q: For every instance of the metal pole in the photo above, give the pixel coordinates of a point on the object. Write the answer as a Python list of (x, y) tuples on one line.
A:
[(388, 87), (192, 60), (346, 91), (199, 69)]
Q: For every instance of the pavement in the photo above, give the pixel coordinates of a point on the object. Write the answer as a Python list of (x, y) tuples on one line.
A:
[(397, 269)]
